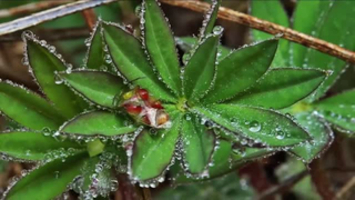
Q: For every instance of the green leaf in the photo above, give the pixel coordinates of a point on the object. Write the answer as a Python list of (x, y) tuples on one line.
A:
[(228, 187), (26, 145), (96, 55), (27, 108), (101, 88), (268, 127), (97, 176), (334, 18), (287, 85), (339, 110), (210, 19), (48, 181), (160, 44), (241, 69), (321, 133), (273, 11), (199, 72), (187, 43), (128, 56), (309, 17), (224, 160), (152, 154), (44, 64), (198, 144), (96, 123)]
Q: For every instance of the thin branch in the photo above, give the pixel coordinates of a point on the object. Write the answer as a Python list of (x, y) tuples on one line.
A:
[(51, 34), (50, 14), (346, 188), (30, 8), (90, 18), (146, 194), (321, 181), (283, 187), (268, 27)]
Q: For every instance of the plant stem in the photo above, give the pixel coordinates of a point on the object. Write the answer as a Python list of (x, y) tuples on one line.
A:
[(146, 194), (269, 27), (320, 180), (346, 189), (126, 191), (50, 14), (90, 18)]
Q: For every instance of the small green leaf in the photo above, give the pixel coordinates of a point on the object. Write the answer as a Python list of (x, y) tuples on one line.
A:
[(321, 133), (26, 145), (27, 108), (265, 126), (198, 144), (241, 69), (48, 181), (128, 56), (339, 110), (101, 88), (96, 54), (152, 154), (210, 19), (273, 11), (287, 85), (199, 72), (96, 123), (187, 43), (224, 160), (44, 65), (95, 147), (160, 44)]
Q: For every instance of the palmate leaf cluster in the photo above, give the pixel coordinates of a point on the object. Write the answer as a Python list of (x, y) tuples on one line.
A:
[(226, 107), (319, 19)]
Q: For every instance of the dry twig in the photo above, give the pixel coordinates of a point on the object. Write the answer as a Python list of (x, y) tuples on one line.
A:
[(321, 181), (90, 18), (50, 14), (268, 27), (346, 189), (30, 8)]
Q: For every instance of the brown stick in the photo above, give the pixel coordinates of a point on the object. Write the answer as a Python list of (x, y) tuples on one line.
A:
[(146, 194), (268, 27), (30, 8), (346, 188), (283, 187), (321, 181), (90, 18), (50, 14)]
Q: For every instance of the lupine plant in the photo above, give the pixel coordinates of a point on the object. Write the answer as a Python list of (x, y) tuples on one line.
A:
[(136, 107)]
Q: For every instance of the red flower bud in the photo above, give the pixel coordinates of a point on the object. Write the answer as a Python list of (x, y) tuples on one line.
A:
[(156, 104), (133, 109), (143, 94)]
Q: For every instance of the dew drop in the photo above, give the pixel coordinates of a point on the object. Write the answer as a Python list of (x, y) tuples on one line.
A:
[(51, 49), (46, 132), (185, 58), (56, 174), (254, 126), (108, 59), (280, 134), (188, 117), (217, 30)]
